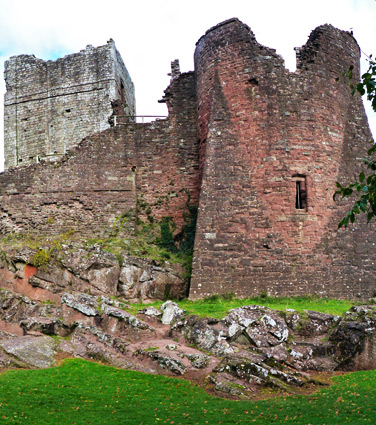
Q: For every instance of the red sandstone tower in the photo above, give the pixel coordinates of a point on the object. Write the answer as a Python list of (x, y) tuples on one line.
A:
[(272, 146)]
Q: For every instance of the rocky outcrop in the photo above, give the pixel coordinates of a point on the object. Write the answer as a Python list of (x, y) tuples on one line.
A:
[(251, 348), (174, 365), (32, 351), (92, 271), (171, 312), (262, 347), (142, 279), (354, 339)]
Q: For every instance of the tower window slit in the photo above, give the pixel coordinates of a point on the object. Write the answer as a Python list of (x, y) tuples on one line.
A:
[(298, 204), (300, 193)]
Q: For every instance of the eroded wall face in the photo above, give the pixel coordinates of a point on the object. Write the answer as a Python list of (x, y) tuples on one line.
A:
[(108, 174), (84, 192), (267, 138), (51, 106), (168, 171)]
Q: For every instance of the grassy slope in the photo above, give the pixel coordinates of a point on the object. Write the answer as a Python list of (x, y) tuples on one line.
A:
[(218, 307), (80, 392)]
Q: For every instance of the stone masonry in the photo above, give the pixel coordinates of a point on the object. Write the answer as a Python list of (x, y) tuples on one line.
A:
[(51, 106), (258, 149), (268, 137)]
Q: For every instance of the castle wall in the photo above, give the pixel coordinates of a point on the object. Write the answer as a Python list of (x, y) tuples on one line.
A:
[(168, 173), (107, 173), (51, 105), (263, 132), (257, 148), (68, 195)]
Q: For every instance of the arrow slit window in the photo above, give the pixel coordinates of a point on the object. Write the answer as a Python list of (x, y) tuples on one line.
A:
[(300, 192)]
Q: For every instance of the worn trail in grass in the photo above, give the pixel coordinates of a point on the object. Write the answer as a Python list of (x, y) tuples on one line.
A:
[(81, 392)]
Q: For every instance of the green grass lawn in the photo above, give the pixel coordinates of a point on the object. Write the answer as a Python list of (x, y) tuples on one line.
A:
[(218, 306), (81, 392)]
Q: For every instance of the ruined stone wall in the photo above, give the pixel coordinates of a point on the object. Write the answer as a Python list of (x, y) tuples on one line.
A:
[(51, 105), (68, 195), (257, 148), (102, 178), (263, 132), (168, 172)]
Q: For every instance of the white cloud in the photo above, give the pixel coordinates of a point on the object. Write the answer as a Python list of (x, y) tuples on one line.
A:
[(149, 34)]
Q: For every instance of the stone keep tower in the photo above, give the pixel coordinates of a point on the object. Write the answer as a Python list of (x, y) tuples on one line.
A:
[(272, 146), (51, 105)]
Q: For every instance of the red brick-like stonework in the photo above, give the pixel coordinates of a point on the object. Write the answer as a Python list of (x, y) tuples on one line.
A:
[(243, 140), (262, 129)]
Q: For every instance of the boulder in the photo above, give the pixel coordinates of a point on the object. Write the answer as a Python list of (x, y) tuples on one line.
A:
[(23, 255), (33, 351), (141, 278), (206, 333), (150, 312), (51, 278), (263, 327), (127, 317), (354, 339), (316, 324), (171, 312), (253, 369), (47, 326), (164, 361), (199, 361), (83, 303), (101, 269)]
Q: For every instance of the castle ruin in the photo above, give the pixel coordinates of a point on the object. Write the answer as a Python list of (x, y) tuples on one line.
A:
[(257, 148), (51, 105)]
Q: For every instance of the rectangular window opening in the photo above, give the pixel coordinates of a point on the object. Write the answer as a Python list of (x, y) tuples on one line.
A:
[(122, 92), (300, 193)]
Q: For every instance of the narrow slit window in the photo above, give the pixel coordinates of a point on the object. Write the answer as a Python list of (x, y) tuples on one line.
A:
[(300, 193), (122, 92)]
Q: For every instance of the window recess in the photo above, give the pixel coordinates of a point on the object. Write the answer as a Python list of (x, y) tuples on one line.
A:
[(300, 182)]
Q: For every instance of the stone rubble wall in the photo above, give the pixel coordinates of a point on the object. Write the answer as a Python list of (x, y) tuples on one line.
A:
[(83, 192), (168, 173)]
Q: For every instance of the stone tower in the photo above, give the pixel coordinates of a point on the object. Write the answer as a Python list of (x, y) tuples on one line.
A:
[(50, 106), (273, 144)]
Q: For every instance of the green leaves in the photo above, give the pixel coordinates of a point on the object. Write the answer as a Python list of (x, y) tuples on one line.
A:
[(364, 184), (366, 203)]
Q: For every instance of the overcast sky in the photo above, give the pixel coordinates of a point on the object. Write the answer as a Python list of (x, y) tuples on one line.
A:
[(150, 34)]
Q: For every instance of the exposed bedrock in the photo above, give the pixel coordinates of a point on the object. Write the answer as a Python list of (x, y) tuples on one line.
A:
[(252, 347)]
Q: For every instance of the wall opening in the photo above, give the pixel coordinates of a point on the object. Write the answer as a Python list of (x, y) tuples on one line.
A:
[(300, 192), (122, 92)]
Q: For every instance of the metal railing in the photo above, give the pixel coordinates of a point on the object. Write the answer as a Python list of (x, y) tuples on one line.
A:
[(133, 118)]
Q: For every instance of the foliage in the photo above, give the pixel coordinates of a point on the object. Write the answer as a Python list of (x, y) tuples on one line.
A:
[(152, 238), (81, 392), (217, 306), (41, 257), (45, 248), (364, 185), (166, 239)]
